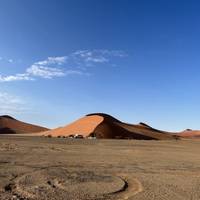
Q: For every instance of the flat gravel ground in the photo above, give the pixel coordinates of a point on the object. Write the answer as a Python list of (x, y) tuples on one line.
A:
[(38, 168)]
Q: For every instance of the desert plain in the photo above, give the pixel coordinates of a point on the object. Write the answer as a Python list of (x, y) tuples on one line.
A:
[(42, 168)]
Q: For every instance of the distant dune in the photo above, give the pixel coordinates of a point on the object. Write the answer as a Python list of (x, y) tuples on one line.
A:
[(190, 133), (9, 125), (101, 125)]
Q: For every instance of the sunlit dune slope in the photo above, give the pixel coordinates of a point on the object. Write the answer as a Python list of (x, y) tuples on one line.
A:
[(84, 126)]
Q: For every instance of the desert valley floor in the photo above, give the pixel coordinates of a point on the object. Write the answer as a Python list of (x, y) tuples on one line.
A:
[(57, 168)]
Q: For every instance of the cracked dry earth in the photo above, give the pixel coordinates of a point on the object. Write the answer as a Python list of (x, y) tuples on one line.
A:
[(36, 168)]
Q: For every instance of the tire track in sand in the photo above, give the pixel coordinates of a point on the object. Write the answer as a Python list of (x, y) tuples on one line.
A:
[(134, 187)]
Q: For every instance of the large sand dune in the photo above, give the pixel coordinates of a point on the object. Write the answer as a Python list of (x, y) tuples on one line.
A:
[(102, 125), (9, 125)]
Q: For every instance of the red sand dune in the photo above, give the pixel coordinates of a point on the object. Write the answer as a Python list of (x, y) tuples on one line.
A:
[(105, 126), (9, 125), (84, 126), (189, 133)]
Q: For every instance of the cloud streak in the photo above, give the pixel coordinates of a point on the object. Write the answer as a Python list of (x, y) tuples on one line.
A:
[(17, 77), (73, 63), (53, 60), (40, 69), (97, 55), (7, 60), (10, 104), (44, 72)]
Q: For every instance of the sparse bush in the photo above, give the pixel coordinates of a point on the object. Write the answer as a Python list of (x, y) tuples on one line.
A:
[(177, 137)]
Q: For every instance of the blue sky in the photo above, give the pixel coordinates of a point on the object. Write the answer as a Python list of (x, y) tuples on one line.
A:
[(137, 60)]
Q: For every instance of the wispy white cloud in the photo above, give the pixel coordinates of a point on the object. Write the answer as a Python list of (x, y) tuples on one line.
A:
[(53, 60), (99, 59), (116, 53), (10, 60), (97, 56), (76, 72), (41, 69), (16, 77), (75, 63), (10, 104), (44, 72), (6, 60)]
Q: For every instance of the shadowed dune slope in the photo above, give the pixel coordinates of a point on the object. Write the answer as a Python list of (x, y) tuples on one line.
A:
[(102, 125), (9, 125)]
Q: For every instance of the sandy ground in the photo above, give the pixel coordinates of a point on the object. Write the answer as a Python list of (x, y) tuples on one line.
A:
[(57, 168)]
